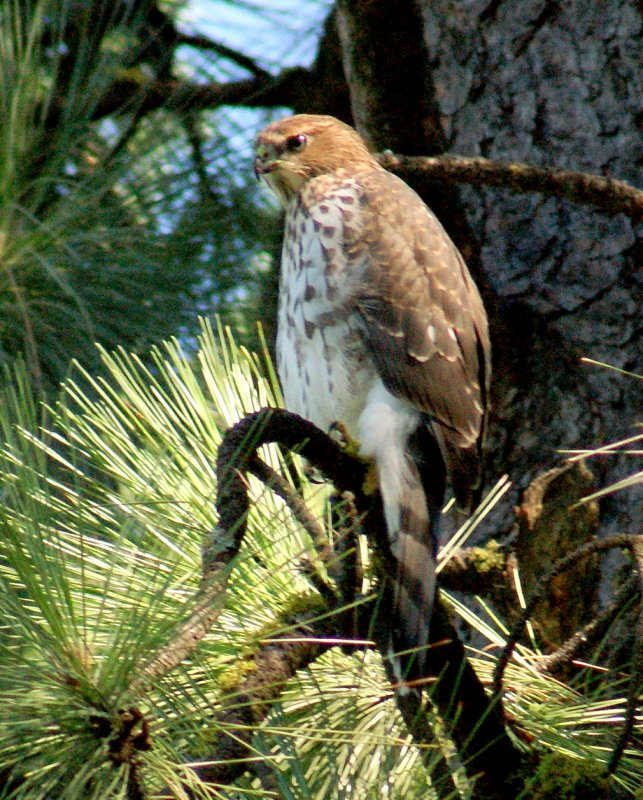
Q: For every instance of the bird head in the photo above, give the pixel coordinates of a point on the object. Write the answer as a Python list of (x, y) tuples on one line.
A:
[(292, 151)]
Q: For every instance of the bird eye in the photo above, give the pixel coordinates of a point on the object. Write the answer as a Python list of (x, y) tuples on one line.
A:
[(294, 143)]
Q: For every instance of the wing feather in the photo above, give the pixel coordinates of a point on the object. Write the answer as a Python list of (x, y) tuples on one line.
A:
[(424, 322)]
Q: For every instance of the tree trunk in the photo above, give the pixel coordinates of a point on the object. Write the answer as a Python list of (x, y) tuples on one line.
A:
[(558, 85)]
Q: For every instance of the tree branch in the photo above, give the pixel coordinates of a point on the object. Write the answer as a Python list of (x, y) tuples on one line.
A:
[(309, 523), (461, 701), (617, 541), (414, 716), (592, 632), (205, 43), (550, 524), (388, 69), (247, 704), (458, 695), (484, 570), (237, 454), (473, 720), (611, 195), (635, 546), (126, 95), (191, 124), (349, 576), (474, 724), (636, 678)]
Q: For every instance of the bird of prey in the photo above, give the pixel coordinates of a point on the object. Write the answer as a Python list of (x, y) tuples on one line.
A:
[(380, 328)]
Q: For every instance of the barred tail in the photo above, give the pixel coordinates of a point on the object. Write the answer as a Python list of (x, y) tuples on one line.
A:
[(413, 520)]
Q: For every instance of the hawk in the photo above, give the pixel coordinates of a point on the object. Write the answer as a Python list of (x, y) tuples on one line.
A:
[(381, 328)]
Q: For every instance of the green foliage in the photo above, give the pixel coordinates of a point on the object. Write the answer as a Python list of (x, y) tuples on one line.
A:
[(107, 498), (96, 575), (108, 232)]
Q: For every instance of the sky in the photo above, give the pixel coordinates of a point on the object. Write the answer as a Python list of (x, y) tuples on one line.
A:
[(283, 31)]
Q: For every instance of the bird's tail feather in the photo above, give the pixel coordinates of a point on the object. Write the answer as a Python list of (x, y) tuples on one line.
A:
[(414, 544)]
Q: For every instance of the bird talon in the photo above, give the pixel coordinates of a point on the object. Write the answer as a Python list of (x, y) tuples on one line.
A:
[(338, 432)]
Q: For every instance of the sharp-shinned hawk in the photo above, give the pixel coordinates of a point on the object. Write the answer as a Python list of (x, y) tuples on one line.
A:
[(380, 328)]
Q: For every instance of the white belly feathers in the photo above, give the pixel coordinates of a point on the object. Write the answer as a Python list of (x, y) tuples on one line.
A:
[(324, 370)]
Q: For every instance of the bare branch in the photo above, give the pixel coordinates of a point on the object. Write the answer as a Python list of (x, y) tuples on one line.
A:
[(592, 632), (208, 607), (130, 96), (193, 133), (635, 545), (613, 196), (283, 489), (205, 43), (176, 95), (617, 541), (636, 678)]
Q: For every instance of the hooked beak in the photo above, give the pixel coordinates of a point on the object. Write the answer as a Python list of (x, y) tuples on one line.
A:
[(266, 160), (263, 167)]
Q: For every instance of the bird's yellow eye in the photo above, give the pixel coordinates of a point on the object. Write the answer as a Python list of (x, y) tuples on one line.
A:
[(294, 143)]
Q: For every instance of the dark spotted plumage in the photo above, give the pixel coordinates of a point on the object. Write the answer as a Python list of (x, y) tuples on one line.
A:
[(381, 328)]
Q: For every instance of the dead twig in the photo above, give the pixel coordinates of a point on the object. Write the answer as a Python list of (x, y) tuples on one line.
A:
[(636, 678), (635, 545), (588, 634)]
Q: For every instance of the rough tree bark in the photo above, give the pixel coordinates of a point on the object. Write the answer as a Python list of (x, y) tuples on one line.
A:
[(556, 84)]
